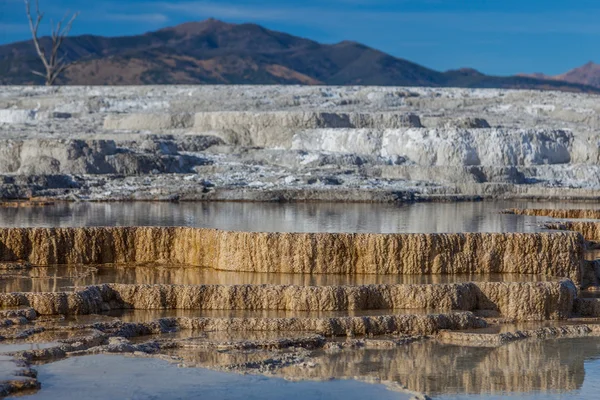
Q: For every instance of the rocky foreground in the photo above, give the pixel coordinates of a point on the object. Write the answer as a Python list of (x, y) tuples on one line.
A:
[(276, 143), (307, 331)]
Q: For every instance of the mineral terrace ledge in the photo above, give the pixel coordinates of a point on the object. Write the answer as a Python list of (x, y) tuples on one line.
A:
[(557, 254), (428, 324), (555, 213), (523, 301), (589, 230)]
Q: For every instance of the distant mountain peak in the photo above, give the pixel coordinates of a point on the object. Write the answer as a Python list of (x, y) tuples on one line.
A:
[(587, 74), (198, 27), (465, 72), (349, 42)]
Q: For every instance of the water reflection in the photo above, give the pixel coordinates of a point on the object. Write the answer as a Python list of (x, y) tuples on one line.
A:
[(65, 278), (119, 377), (301, 217), (437, 369), (153, 315)]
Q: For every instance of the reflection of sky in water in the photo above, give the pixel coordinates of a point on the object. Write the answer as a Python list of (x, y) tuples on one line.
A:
[(300, 217), (119, 377)]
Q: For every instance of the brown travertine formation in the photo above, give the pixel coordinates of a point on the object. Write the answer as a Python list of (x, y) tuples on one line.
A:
[(339, 326), (297, 298), (498, 339), (528, 300), (327, 308), (589, 230), (412, 324), (552, 254), (555, 213), (518, 300)]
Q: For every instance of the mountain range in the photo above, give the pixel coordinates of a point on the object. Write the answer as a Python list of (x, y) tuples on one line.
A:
[(588, 74), (216, 52)]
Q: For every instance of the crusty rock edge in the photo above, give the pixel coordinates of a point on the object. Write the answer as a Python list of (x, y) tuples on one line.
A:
[(557, 254)]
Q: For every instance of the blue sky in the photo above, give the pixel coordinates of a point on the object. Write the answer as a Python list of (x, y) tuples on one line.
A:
[(499, 37)]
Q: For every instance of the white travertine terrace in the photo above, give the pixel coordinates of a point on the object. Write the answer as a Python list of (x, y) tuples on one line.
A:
[(289, 142)]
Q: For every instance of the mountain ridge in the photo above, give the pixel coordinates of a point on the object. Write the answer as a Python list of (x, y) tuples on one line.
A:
[(218, 52), (587, 74)]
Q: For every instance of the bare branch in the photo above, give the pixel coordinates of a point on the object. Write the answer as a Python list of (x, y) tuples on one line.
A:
[(67, 28), (38, 73), (34, 26), (63, 68), (53, 64)]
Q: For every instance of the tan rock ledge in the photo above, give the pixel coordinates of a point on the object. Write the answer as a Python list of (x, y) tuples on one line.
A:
[(557, 254), (589, 230), (521, 301), (556, 213)]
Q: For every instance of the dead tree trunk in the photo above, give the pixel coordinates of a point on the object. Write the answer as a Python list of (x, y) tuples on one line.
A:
[(54, 63)]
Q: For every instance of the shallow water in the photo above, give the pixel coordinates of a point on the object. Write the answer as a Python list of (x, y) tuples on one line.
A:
[(530, 369), (546, 369), (119, 377), (67, 278), (11, 347), (286, 217)]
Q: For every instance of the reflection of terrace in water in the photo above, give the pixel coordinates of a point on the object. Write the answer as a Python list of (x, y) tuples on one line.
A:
[(66, 278), (153, 315), (323, 217), (435, 368)]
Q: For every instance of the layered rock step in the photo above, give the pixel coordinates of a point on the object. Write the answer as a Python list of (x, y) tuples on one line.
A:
[(459, 142), (590, 231), (519, 300), (265, 129), (434, 285), (305, 253), (76, 156), (436, 253)]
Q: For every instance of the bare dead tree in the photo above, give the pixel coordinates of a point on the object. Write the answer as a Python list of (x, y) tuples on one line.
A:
[(54, 63)]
